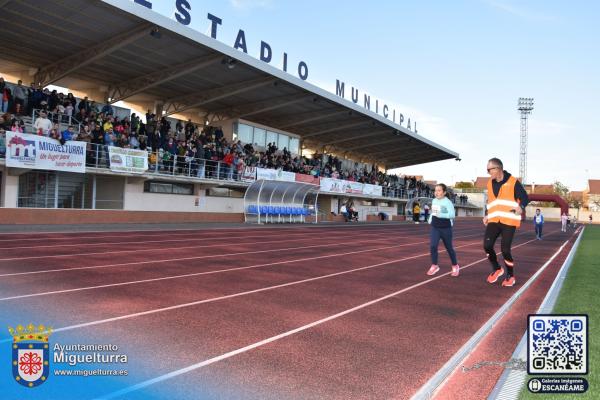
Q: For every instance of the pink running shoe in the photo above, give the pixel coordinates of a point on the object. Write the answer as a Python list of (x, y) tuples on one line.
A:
[(433, 270), (455, 269)]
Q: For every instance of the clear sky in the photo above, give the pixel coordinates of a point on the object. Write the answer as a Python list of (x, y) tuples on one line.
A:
[(457, 67)]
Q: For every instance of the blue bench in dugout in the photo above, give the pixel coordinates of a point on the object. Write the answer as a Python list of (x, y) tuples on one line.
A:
[(278, 210)]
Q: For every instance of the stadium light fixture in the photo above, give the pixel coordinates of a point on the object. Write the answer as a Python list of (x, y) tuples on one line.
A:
[(525, 107), (229, 62), (525, 104), (155, 33)]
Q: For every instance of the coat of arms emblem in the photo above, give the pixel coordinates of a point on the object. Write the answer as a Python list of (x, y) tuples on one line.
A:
[(30, 354)]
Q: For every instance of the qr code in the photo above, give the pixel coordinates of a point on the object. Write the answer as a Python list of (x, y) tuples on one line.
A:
[(557, 344)]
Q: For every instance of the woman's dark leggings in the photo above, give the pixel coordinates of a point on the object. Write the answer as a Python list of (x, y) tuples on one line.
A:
[(446, 235)]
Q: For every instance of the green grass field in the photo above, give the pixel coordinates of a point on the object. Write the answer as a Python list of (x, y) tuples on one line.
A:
[(580, 295)]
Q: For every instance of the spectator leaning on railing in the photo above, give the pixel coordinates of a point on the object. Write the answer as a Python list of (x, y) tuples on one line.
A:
[(68, 134)]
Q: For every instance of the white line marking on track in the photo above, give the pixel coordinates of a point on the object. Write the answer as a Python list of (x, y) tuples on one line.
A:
[(163, 239), (215, 271), (168, 248), (271, 339), (153, 311), (434, 385), (230, 296), (180, 259), (199, 230)]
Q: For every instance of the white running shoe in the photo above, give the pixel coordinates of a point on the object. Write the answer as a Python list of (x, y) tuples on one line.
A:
[(433, 270), (455, 269)]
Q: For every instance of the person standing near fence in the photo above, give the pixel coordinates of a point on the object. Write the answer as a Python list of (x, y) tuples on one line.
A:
[(441, 220), (538, 222)]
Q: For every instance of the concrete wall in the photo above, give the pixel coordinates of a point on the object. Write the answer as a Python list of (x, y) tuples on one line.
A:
[(63, 216), (477, 199), (553, 214), (2, 178), (331, 204), (9, 191), (137, 199), (365, 211), (219, 204), (468, 212)]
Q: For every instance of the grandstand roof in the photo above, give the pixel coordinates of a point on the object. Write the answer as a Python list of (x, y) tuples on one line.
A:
[(84, 44)]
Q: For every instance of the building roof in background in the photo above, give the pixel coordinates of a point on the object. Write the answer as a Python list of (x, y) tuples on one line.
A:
[(594, 186), (540, 189), (481, 182), (576, 195)]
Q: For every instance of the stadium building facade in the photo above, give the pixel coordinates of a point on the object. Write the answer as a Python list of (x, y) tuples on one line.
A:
[(127, 52)]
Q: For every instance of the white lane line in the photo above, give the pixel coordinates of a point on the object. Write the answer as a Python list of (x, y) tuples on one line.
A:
[(181, 259), (199, 230), (153, 311), (432, 387), (228, 244), (212, 272), (186, 239), (272, 339), (162, 240), (213, 299)]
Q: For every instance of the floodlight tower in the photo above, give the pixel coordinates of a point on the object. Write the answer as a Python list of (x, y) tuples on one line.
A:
[(525, 106)]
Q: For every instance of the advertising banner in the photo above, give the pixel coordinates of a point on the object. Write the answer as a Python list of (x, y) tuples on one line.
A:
[(40, 152), (372, 190), (128, 160), (348, 187), (249, 174), (275, 175), (304, 178)]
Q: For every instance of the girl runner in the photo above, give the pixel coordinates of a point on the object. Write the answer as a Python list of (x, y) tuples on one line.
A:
[(441, 220)]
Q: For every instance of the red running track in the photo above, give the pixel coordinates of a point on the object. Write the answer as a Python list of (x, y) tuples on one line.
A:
[(337, 312)]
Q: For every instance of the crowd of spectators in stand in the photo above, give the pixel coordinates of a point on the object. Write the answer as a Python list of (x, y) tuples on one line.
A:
[(184, 148)]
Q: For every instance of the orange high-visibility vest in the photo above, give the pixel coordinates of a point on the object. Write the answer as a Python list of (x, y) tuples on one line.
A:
[(500, 208)]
